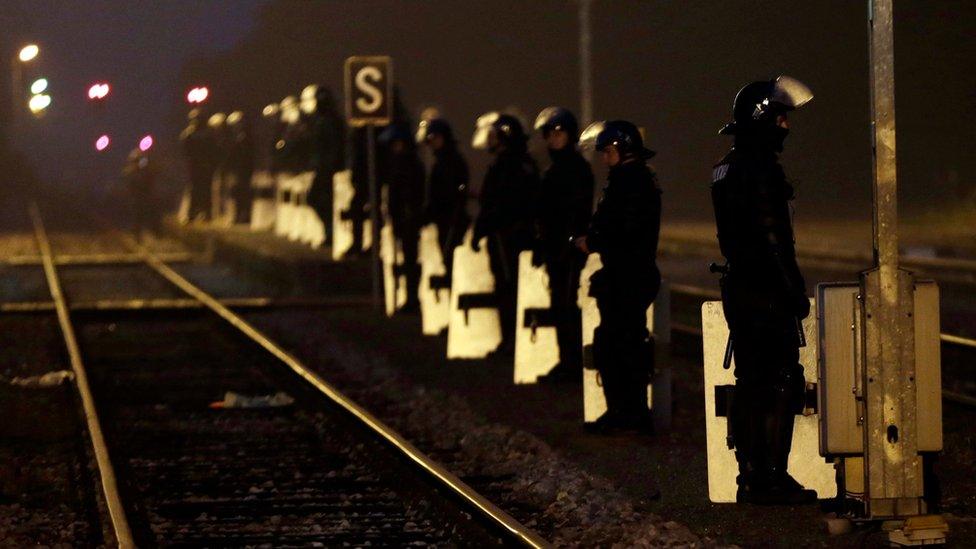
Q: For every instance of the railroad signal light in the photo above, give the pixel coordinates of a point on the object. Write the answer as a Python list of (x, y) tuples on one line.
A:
[(38, 86), (146, 143), (39, 102), (98, 91), (102, 143), (197, 95)]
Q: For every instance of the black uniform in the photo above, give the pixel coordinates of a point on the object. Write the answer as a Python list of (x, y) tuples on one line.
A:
[(327, 134), (764, 298), (563, 212), (624, 231), (140, 177), (201, 151), (405, 174), (240, 163), (508, 197), (446, 199)]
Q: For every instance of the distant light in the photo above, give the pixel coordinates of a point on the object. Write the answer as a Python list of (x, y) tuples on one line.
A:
[(235, 118), (197, 95), (39, 86), (217, 120), (145, 143), (98, 90), (102, 143), (28, 52), (39, 102), (270, 110)]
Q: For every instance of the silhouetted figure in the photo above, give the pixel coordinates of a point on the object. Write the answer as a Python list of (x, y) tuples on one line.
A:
[(624, 230), (200, 151), (404, 177), (240, 164), (139, 174), (508, 198), (446, 198), (763, 292), (562, 214), (327, 133)]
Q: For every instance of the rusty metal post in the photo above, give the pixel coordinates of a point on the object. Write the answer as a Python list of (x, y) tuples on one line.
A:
[(893, 471)]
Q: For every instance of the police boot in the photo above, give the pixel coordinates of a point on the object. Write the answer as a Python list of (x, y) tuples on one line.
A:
[(747, 419), (783, 489), (604, 359), (638, 362)]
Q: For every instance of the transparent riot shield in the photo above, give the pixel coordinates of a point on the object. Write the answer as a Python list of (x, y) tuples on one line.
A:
[(536, 346), (474, 328), (658, 324), (805, 464), (435, 294)]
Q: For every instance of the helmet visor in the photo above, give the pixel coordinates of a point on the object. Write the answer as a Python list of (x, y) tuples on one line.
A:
[(421, 135), (790, 92), (588, 137), (545, 117), (483, 130)]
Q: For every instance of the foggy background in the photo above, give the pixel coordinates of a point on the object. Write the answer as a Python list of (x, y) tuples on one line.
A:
[(671, 67)]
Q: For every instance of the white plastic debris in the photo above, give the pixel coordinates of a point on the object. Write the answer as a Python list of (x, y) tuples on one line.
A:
[(50, 379), (237, 400)]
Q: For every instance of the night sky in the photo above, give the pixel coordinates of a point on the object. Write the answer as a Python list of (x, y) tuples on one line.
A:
[(139, 47), (671, 67)]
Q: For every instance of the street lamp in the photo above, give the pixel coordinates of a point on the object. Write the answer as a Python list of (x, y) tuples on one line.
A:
[(38, 86), (98, 91), (28, 53), (197, 95), (39, 102)]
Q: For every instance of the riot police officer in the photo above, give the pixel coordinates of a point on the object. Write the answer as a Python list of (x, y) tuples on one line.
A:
[(508, 195), (200, 150), (327, 133), (562, 213), (240, 164), (404, 176), (140, 177), (763, 292), (624, 230), (447, 187)]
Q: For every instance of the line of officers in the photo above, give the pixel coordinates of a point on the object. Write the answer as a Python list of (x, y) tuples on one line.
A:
[(550, 212)]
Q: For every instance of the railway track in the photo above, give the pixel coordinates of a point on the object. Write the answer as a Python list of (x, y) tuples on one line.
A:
[(315, 469)]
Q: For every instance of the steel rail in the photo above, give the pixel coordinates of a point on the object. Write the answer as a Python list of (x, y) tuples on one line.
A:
[(180, 303), (120, 525), (94, 259), (502, 519)]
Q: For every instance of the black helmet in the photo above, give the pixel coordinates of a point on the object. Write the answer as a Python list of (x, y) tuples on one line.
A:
[(434, 126), (395, 132), (557, 118), (505, 127), (757, 104), (621, 134)]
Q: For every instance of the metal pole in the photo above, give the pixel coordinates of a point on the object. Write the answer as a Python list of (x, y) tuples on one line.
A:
[(893, 472), (585, 63), (374, 215)]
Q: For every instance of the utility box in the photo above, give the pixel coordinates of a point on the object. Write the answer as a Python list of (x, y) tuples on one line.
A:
[(841, 367)]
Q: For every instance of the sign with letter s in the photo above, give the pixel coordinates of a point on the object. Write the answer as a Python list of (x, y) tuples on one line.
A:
[(369, 90)]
